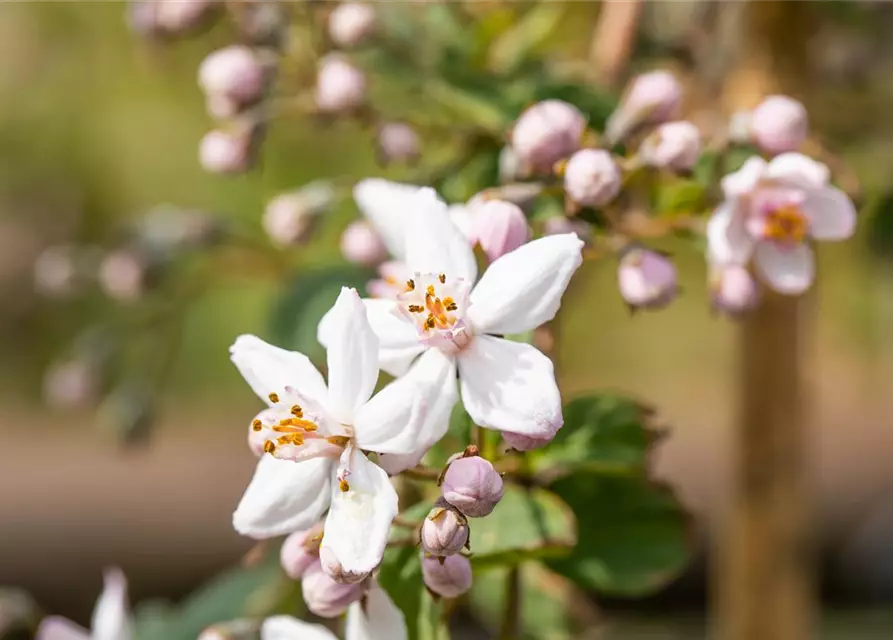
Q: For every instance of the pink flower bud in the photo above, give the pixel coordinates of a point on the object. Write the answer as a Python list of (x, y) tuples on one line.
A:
[(360, 244), (325, 597), (647, 279), (650, 98), (335, 570), (234, 73), (448, 577), (287, 220), (180, 16), (397, 142), (592, 178), (734, 290), (499, 227), (340, 86), (444, 532), (673, 145), (240, 629), (124, 275), (56, 272), (473, 486), (225, 152), (351, 23), (520, 442), (779, 124), (547, 132), (299, 552)]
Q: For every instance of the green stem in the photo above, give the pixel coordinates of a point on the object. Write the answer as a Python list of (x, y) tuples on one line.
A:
[(511, 615)]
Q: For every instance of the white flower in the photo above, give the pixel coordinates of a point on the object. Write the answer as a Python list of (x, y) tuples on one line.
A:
[(316, 435), (112, 619), (771, 211), (373, 618), (441, 327)]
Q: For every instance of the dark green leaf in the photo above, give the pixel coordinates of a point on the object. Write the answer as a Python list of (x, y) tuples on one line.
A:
[(511, 48), (401, 577), (679, 196), (305, 300), (633, 534)]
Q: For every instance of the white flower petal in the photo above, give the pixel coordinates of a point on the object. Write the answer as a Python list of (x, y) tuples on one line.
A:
[(796, 170), (727, 239), (59, 628), (270, 369), (288, 628), (375, 618), (284, 496), (745, 180), (394, 463), (434, 243), (112, 619), (788, 270), (352, 356), (510, 386), (359, 520), (387, 205), (392, 420), (463, 217), (522, 289), (832, 215)]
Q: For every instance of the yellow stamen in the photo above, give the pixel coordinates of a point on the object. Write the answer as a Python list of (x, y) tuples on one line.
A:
[(344, 486), (257, 425), (786, 224), (430, 289), (297, 411), (442, 278), (274, 398), (430, 322), (269, 446), (416, 308), (338, 441), (410, 284)]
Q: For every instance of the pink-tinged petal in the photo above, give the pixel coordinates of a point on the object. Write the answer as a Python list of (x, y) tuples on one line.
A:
[(59, 628), (728, 240), (463, 217), (392, 420), (375, 618), (394, 463), (388, 206), (745, 180), (352, 356), (363, 505), (284, 496), (788, 270), (288, 628), (112, 619), (434, 243), (523, 289), (831, 213), (398, 340), (797, 170), (268, 369), (510, 386)]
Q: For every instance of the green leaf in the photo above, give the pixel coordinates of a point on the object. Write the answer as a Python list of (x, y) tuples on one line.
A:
[(305, 300), (401, 577), (513, 47), (634, 534), (469, 105), (679, 196)]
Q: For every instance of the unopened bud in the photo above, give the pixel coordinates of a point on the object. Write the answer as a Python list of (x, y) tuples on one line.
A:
[(242, 629), (288, 220), (734, 290), (125, 274), (499, 227), (351, 23), (361, 244), (340, 86), (673, 145), (592, 178), (444, 532), (299, 552), (325, 597), (651, 98), (397, 142), (448, 577), (335, 570), (73, 384), (225, 151), (521, 442), (547, 132), (779, 124), (180, 16), (473, 486), (561, 224), (56, 272), (234, 73), (391, 281), (647, 279), (261, 22)]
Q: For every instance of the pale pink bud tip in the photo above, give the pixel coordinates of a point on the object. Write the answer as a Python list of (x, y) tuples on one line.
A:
[(335, 570), (521, 442), (234, 73), (340, 86), (444, 532), (499, 227), (734, 290), (299, 552), (398, 142), (674, 145), (123, 275), (360, 244), (651, 98), (351, 23), (325, 597), (448, 577), (547, 132), (224, 152), (779, 124), (592, 178), (647, 280), (473, 486), (287, 220)]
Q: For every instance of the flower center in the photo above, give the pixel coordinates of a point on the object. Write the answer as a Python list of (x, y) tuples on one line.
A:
[(786, 224), (289, 434), (436, 305)]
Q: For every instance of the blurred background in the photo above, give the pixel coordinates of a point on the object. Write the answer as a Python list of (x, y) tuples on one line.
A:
[(98, 126)]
